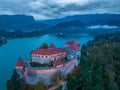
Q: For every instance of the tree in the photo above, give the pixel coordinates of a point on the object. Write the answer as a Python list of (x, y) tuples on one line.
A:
[(101, 67), (10, 85), (39, 86), (56, 77), (14, 83), (76, 77), (44, 45), (112, 86)]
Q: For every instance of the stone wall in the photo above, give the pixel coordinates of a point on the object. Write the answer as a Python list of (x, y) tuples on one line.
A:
[(34, 75)]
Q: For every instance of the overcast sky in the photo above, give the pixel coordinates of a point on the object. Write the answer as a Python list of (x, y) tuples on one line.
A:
[(49, 9)]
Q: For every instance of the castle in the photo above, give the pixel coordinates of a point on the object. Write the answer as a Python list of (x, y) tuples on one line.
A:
[(49, 61)]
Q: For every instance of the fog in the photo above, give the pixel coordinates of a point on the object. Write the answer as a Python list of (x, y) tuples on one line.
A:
[(102, 27)]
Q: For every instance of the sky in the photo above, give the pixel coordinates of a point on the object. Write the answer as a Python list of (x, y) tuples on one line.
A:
[(51, 9)]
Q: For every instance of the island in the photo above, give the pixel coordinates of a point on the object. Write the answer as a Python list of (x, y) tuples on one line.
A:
[(3, 40)]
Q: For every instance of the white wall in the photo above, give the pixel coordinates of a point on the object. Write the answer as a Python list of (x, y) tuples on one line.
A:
[(46, 59)]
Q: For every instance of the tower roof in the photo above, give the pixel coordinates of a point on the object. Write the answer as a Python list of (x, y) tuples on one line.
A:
[(20, 62), (70, 42), (73, 45), (52, 46)]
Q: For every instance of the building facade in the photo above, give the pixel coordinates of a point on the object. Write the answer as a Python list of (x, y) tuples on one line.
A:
[(47, 55), (73, 50)]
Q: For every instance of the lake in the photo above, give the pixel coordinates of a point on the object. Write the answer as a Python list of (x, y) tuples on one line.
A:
[(16, 48)]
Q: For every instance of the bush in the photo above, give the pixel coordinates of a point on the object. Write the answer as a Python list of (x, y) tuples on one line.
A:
[(36, 64)]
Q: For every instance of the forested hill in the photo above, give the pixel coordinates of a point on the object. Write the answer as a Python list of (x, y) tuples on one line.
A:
[(100, 65), (102, 61), (105, 38)]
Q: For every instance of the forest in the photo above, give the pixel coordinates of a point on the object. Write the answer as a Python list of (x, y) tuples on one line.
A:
[(100, 65)]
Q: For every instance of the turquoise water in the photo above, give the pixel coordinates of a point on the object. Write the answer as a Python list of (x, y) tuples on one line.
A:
[(15, 48)]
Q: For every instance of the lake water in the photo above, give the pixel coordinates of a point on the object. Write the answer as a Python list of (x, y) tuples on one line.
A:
[(15, 48)]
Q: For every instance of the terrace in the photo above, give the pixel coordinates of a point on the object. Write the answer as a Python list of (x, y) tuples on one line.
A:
[(37, 64), (31, 64)]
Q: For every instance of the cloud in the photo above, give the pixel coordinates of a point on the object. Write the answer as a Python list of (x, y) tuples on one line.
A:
[(49, 9), (102, 27)]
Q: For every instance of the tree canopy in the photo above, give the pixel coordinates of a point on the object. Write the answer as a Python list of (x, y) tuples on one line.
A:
[(14, 83), (100, 64), (44, 45)]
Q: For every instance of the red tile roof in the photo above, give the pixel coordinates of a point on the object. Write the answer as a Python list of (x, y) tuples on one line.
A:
[(70, 42), (20, 62), (58, 62), (74, 45), (52, 46), (48, 51)]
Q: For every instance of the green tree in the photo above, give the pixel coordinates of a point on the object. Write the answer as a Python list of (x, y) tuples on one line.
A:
[(56, 77), (74, 79), (44, 45), (100, 68), (14, 83), (39, 86), (112, 86)]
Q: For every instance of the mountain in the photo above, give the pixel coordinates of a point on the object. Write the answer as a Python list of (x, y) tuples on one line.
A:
[(69, 23), (67, 27), (87, 19), (74, 23), (114, 22), (16, 19), (20, 22), (35, 26)]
